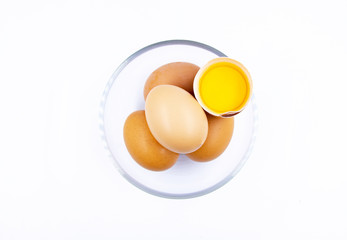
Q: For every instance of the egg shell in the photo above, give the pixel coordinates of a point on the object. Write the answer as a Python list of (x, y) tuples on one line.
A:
[(176, 119), (143, 147), (220, 132), (180, 74)]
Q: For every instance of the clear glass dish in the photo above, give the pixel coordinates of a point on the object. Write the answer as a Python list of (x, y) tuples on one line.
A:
[(124, 94)]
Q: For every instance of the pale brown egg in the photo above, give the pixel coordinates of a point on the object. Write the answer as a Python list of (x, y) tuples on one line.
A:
[(143, 147), (220, 132), (180, 74), (176, 119)]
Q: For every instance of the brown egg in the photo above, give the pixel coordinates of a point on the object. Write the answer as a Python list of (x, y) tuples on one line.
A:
[(180, 74), (176, 119), (143, 147), (220, 131)]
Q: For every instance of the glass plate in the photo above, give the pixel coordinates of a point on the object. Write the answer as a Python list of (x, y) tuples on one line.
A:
[(124, 95)]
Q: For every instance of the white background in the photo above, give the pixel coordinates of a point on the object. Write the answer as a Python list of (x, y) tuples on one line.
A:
[(56, 181)]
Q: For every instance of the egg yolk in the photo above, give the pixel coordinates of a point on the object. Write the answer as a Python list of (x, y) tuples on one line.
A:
[(224, 87)]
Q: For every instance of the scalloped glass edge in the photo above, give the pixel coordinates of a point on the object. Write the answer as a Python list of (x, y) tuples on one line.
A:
[(115, 162)]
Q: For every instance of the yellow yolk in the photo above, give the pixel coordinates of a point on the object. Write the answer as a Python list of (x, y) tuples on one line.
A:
[(224, 87)]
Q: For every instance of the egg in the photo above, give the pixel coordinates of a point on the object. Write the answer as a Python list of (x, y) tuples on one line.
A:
[(220, 132), (176, 119), (223, 87), (143, 147), (180, 74)]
